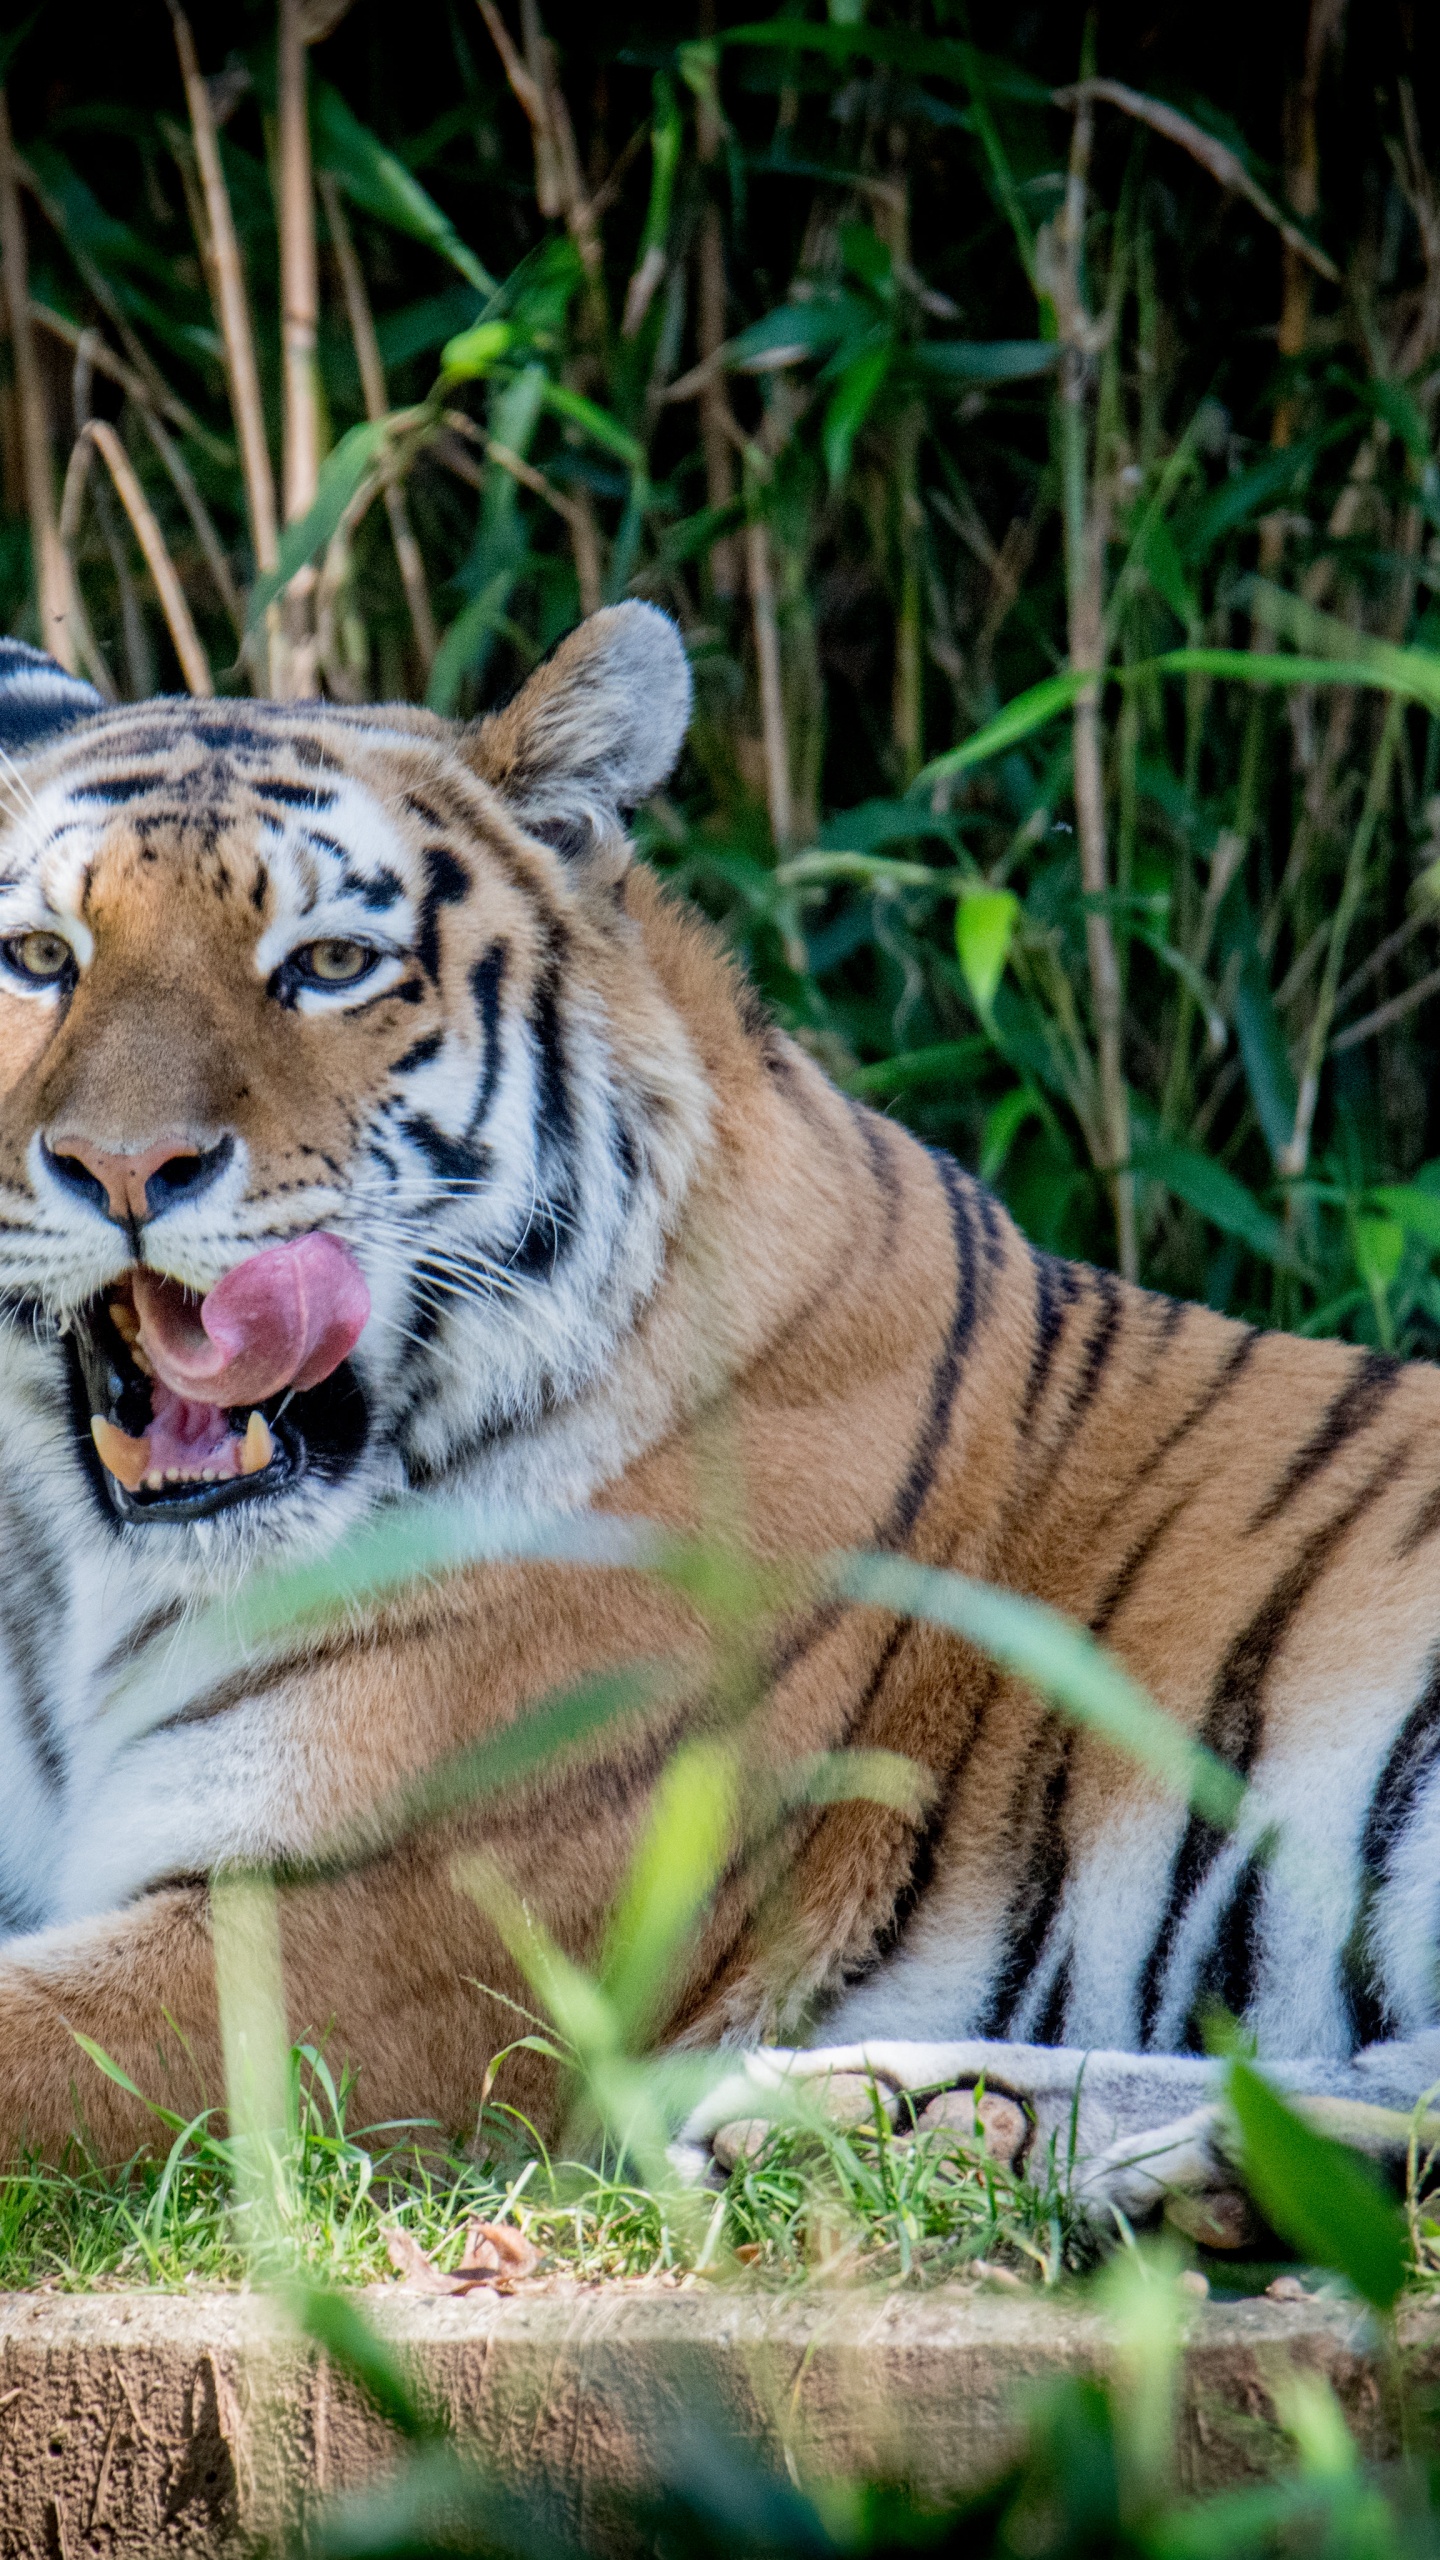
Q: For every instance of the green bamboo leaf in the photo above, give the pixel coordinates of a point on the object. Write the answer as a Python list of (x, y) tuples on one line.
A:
[(1215, 1193), (688, 1838), (597, 422), (1416, 1211), (984, 360), (1379, 1251), (797, 330), (354, 459), (383, 185), (1320, 2197), (1052, 1655), (951, 1062), (858, 390), (985, 921), (471, 356), (1028, 711)]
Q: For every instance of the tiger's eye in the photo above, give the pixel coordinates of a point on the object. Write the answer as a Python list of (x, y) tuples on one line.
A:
[(40, 955), (336, 963)]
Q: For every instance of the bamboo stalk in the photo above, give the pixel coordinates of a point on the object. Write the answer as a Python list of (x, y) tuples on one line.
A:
[(299, 321), (87, 647), (233, 309), (194, 665), (765, 625), (377, 402), (1085, 545), (52, 579)]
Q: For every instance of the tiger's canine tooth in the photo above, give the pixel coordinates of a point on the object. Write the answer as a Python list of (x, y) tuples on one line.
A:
[(259, 1445), (126, 1459)]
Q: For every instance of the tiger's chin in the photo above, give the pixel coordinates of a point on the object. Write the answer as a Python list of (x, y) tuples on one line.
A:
[(159, 1460)]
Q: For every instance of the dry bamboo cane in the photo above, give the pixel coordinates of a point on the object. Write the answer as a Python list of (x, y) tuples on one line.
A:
[(766, 627), (52, 579), (299, 321), (1085, 536), (377, 404), (194, 665), (236, 333), (716, 425)]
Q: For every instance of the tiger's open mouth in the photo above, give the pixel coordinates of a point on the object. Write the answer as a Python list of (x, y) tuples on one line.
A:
[(194, 1405)]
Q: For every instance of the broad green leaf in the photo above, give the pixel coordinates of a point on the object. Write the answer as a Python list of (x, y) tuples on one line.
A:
[(1326, 2201), (951, 1062), (798, 330), (1166, 573), (1215, 1193), (420, 327), (470, 356), (1414, 674), (383, 185), (1416, 1211), (1056, 1657), (848, 41), (342, 473), (666, 136), (1003, 1126), (1379, 1251), (1258, 1030), (985, 921), (984, 360), (859, 388), (1029, 710)]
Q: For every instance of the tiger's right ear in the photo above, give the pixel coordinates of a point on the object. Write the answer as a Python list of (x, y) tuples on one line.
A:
[(593, 732), (37, 698)]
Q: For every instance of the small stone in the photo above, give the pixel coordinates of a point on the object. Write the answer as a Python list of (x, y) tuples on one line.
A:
[(1194, 2280), (1286, 2289), (1002, 2125), (1218, 2218), (745, 2139)]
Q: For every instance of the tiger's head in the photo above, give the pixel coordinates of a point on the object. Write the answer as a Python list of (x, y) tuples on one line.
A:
[(344, 1123)]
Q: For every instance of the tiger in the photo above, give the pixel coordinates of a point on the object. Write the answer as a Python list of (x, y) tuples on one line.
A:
[(377, 1131)]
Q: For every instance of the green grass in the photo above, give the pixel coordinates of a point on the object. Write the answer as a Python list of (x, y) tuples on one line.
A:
[(836, 2204)]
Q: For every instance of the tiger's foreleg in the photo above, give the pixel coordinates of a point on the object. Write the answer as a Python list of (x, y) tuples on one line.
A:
[(1120, 2130)]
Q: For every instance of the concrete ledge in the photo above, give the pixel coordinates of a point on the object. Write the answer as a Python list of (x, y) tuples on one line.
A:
[(141, 2423)]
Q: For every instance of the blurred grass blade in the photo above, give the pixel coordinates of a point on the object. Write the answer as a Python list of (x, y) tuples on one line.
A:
[(687, 1840), (1028, 711), (1325, 2200), (1054, 1656), (354, 460), (1417, 1211), (336, 2323)]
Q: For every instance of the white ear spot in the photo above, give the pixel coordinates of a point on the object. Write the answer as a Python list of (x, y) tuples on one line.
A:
[(595, 729)]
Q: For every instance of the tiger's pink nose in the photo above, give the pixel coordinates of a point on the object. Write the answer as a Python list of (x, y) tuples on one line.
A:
[(134, 1187)]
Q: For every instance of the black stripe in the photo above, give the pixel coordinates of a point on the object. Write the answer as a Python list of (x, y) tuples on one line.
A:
[(1234, 1724), (486, 980), (945, 1381), (421, 1052), (1098, 1352), (1226, 1977), (1057, 1286), (882, 1166), (1423, 1526), (1350, 1412), (1412, 1756), (453, 1159), (554, 1114), (294, 795), (1050, 2026), (446, 884), (1032, 1911), (1232, 1368), (1133, 1566)]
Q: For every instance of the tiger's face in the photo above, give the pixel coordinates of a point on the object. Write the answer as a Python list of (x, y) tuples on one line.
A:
[(342, 1123)]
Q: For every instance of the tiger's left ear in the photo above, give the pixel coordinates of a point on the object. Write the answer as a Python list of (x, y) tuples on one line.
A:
[(595, 729), (37, 698)]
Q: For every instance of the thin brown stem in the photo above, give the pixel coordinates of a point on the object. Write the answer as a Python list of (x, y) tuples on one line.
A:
[(194, 665), (1085, 547), (221, 248), (72, 498), (377, 402), (766, 627), (299, 322), (52, 581)]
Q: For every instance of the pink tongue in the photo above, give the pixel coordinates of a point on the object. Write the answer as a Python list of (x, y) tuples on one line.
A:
[(285, 1318)]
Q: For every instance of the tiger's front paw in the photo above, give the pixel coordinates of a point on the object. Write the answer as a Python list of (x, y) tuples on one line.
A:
[(925, 2088)]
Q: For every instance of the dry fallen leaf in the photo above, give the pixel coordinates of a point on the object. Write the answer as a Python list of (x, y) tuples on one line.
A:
[(494, 2254)]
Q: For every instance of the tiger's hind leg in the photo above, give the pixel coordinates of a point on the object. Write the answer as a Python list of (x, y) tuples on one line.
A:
[(1121, 2130)]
